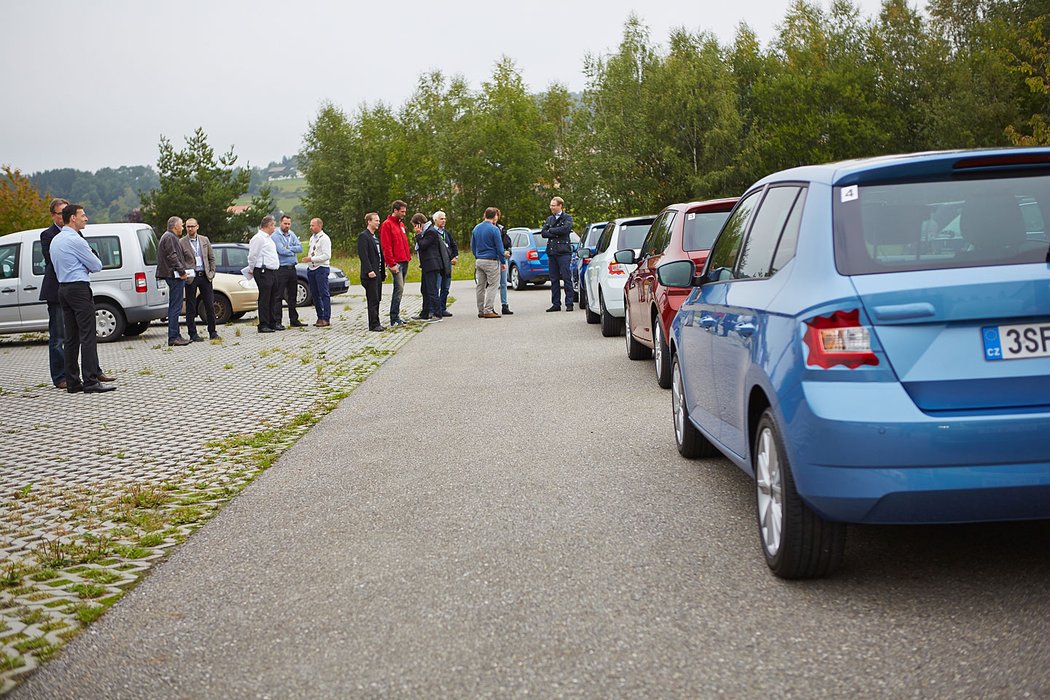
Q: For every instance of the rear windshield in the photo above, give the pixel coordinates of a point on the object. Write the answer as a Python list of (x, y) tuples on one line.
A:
[(148, 243), (938, 225), (633, 233), (701, 228)]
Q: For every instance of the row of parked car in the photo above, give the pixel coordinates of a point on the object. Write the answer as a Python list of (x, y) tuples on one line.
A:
[(868, 340), (128, 297)]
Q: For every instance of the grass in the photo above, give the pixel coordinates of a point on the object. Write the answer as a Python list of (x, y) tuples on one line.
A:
[(462, 270)]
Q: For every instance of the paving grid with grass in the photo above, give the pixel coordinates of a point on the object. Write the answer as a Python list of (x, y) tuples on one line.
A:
[(95, 489)]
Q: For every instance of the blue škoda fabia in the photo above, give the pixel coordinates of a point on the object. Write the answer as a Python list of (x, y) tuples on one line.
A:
[(870, 340)]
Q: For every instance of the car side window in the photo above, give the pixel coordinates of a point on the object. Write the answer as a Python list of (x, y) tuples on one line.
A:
[(727, 245), (606, 239), (38, 259), (107, 248), (9, 261), (237, 257), (789, 239), (652, 239), (756, 255)]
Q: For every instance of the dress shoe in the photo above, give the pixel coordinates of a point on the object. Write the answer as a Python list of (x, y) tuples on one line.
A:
[(554, 308), (297, 324), (214, 336), (103, 377), (569, 307), (318, 323), (489, 315), (196, 339), (278, 327), (377, 329), (60, 384), (446, 314), (180, 341), (507, 311), (324, 323), (265, 329), (421, 317), (75, 388), (98, 388)]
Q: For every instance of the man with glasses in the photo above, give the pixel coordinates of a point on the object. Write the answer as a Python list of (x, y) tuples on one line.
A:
[(198, 248)]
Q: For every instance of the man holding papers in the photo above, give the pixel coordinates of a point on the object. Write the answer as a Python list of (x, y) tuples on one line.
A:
[(174, 270)]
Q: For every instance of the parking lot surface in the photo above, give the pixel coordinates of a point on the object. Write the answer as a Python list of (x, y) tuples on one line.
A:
[(499, 510)]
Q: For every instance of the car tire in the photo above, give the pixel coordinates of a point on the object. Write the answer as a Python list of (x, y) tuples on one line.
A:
[(635, 350), (514, 278), (223, 309), (661, 355), (237, 316), (109, 322), (797, 543), (592, 317), (688, 439), (302, 293), (611, 326), (133, 329)]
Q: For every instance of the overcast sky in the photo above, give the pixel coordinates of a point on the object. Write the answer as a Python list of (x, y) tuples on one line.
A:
[(90, 84)]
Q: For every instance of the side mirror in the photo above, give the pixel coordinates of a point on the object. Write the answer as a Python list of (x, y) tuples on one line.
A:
[(679, 273), (585, 252), (625, 257)]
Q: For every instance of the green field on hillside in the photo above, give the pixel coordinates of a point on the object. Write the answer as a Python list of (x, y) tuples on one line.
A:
[(288, 194)]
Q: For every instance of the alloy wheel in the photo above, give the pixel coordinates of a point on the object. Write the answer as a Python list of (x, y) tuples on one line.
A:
[(678, 404), (769, 484)]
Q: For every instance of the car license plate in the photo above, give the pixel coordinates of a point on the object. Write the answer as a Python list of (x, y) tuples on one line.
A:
[(1016, 342)]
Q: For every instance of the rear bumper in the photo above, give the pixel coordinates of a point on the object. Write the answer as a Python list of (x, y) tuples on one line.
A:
[(864, 453), (140, 314), (612, 290)]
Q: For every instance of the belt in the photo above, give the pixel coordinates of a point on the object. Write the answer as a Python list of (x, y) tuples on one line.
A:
[(291, 266), (67, 284)]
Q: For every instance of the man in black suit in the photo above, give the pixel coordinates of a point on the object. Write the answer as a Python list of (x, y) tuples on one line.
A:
[(373, 268), (49, 293)]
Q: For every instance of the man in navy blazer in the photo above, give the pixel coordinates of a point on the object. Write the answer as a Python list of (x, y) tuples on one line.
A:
[(559, 253), (49, 293)]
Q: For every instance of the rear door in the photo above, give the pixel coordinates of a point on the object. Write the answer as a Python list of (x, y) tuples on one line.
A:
[(10, 253), (954, 279), (156, 290), (32, 309)]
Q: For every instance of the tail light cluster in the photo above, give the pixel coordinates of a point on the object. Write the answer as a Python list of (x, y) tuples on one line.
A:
[(140, 282), (839, 339), (533, 254), (616, 268)]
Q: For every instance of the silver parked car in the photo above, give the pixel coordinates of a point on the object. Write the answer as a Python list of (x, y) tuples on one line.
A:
[(127, 294)]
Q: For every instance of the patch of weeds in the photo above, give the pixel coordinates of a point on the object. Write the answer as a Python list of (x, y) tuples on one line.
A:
[(101, 576), (148, 520), (120, 455), (37, 597), (108, 602), (55, 604), (31, 645), (21, 590), (12, 574), (151, 540), (144, 496), (45, 575), (59, 583), (130, 552), (24, 491), (10, 663), (186, 515), (145, 372), (228, 365), (158, 346), (52, 626), (87, 613), (87, 590), (237, 332), (31, 616)]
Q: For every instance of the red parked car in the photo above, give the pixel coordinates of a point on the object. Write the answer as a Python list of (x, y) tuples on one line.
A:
[(680, 232)]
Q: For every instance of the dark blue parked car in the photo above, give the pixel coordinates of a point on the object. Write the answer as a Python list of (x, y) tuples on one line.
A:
[(232, 257), (528, 259), (870, 340)]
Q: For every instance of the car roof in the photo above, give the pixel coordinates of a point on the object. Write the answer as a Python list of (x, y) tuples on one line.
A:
[(96, 229), (230, 245), (634, 219), (914, 165), (726, 203)]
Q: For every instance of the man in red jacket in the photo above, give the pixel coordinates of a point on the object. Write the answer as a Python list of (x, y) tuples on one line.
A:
[(396, 254)]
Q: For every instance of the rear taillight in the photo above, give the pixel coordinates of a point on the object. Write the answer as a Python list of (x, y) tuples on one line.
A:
[(839, 339), (616, 268), (586, 261), (533, 254), (140, 282)]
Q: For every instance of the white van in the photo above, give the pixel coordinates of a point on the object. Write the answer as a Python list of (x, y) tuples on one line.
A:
[(127, 294)]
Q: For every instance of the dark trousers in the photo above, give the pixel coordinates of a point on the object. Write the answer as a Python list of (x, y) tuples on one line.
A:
[(431, 304), (444, 283), (176, 293), (56, 356), (78, 311), (266, 281), (288, 289), (558, 269), (197, 291), (374, 294), (318, 280)]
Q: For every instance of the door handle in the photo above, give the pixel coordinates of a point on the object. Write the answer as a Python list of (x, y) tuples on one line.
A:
[(708, 322), (30, 288), (7, 290), (745, 328)]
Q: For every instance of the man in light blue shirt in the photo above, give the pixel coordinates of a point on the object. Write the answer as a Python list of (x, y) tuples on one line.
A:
[(288, 246), (74, 261)]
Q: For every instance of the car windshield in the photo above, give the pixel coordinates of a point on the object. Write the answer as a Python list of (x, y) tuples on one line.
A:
[(701, 228), (633, 233), (937, 225)]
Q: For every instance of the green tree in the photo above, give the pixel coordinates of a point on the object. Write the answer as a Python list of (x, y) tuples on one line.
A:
[(21, 206), (193, 183)]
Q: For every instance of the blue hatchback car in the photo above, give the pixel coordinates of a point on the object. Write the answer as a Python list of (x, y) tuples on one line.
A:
[(528, 259), (870, 340)]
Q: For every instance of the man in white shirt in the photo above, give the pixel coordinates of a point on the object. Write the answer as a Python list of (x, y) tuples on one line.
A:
[(319, 255), (263, 266)]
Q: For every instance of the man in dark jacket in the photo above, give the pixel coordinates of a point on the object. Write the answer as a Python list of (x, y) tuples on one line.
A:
[(172, 268), (559, 253), (49, 293), (451, 254), (431, 265), (373, 269)]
